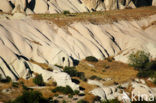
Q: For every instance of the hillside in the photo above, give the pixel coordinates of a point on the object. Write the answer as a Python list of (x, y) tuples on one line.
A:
[(48, 43), (73, 6)]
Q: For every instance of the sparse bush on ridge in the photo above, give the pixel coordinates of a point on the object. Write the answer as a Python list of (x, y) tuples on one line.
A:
[(139, 59), (38, 80), (91, 59), (66, 12)]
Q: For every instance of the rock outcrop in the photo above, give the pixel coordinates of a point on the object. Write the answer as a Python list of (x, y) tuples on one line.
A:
[(74, 6), (58, 6), (138, 89), (154, 3), (5, 6), (22, 41), (41, 6)]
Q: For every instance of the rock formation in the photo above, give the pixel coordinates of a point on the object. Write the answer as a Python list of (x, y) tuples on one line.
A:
[(5, 6), (58, 6), (154, 3), (44, 42)]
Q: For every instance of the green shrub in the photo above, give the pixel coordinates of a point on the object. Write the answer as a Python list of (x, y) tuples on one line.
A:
[(139, 59), (145, 73), (66, 12), (38, 80), (70, 96), (76, 92), (15, 84), (30, 97), (95, 77), (91, 59), (25, 87), (6, 80), (82, 101), (81, 75), (64, 90), (148, 71), (56, 95), (71, 71), (64, 101), (151, 66), (74, 73)]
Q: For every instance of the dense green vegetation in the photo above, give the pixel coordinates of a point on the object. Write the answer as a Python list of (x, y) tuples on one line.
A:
[(74, 73), (38, 80), (141, 61)]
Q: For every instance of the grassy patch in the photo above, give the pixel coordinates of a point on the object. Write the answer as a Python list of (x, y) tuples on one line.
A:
[(119, 72), (99, 17)]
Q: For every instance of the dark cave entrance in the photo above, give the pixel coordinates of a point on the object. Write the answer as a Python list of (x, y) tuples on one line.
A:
[(141, 3)]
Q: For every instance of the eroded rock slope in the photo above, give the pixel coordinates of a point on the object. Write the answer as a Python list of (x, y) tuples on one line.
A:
[(58, 6), (43, 42)]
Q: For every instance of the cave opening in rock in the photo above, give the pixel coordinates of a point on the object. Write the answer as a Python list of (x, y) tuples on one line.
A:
[(141, 3)]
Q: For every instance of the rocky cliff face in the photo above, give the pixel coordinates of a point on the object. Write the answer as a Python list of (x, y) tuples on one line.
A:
[(44, 42), (154, 3), (58, 6)]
